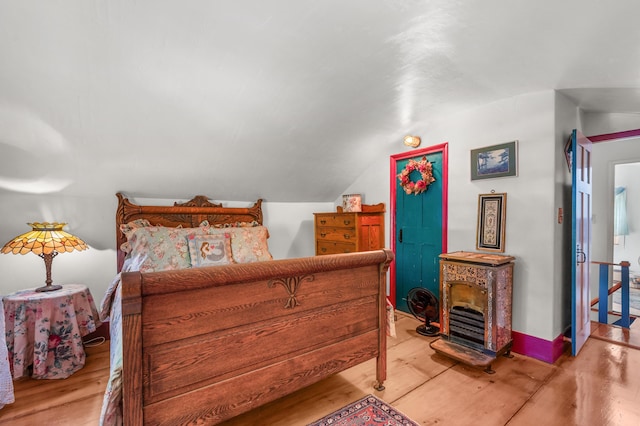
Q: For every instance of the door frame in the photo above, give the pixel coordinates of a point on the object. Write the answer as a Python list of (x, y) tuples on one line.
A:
[(608, 137), (595, 139), (393, 185)]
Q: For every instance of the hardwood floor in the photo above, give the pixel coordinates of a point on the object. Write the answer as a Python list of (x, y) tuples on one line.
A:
[(624, 336), (599, 387), (75, 401)]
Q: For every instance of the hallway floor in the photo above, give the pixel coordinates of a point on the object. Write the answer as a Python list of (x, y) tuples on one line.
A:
[(611, 333)]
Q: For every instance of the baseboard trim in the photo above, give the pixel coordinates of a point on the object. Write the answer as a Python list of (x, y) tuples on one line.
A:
[(534, 347)]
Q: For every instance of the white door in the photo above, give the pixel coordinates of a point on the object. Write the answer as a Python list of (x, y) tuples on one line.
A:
[(581, 240)]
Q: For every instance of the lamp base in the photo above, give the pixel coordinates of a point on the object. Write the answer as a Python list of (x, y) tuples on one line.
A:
[(48, 288)]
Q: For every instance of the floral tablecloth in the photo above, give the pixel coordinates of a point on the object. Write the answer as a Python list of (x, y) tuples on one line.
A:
[(45, 330), (6, 383)]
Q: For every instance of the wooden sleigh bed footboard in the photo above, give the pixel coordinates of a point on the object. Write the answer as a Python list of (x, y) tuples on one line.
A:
[(203, 345)]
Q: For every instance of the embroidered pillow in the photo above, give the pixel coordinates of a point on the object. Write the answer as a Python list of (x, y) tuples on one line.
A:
[(249, 244), (209, 250)]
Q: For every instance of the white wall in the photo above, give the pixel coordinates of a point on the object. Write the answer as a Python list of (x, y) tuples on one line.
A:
[(93, 219), (531, 210), (291, 228), (373, 185), (605, 156), (626, 175), (598, 123), (90, 218), (567, 118)]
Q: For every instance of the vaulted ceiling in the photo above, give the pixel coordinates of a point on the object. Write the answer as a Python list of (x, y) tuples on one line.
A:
[(289, 100)]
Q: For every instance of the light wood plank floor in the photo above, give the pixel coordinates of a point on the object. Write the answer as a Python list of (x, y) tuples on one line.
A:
[(599, 387)]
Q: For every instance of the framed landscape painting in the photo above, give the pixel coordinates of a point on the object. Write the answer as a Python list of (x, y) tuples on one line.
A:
[(494, 161)]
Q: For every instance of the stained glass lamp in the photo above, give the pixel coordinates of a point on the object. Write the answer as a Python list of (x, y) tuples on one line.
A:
[(46, 240)]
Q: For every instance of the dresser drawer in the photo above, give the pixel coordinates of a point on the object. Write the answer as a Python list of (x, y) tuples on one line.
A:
[(336, 220), (336, 234), (330, 247), (349, 232)]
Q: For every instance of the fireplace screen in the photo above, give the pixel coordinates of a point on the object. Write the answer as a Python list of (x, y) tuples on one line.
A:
[(467, 309), (466, 326)]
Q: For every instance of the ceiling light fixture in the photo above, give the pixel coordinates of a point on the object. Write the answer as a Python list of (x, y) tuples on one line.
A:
[(412, 141)]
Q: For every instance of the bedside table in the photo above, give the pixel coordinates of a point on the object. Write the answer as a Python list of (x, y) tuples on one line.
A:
[(45, 330)]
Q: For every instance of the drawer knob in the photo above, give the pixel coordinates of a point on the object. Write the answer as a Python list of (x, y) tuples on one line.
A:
[(322, 221), (347, 222), (323, 249), (323, 234), (347, 236)]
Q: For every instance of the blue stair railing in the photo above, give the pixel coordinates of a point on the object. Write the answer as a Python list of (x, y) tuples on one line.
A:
[(604, 291)]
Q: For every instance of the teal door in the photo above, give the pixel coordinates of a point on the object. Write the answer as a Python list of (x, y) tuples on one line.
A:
[(419, 228)]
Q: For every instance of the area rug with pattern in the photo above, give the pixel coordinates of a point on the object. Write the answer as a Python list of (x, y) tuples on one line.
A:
[(368, 411)]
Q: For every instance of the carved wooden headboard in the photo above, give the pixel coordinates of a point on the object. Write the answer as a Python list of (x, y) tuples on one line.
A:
[(188, 215)]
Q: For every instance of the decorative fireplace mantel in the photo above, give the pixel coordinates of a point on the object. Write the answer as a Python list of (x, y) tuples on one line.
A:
[(475, 319)]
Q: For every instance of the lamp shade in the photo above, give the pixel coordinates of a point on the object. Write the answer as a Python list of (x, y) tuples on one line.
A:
[(46, 240)]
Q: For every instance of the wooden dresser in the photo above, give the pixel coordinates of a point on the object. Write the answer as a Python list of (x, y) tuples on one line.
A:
[(348, 232)]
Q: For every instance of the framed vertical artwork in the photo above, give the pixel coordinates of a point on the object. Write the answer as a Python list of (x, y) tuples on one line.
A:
[(494, 161), (492, 215)]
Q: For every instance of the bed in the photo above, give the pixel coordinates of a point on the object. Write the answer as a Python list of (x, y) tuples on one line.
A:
[(203, 343)]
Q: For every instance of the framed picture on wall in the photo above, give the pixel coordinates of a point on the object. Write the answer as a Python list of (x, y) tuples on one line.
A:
[(492, 215), (494, 161)]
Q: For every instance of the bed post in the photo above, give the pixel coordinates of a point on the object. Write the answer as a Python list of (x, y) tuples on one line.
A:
[(119, 237), (132, 349), (381, 360)]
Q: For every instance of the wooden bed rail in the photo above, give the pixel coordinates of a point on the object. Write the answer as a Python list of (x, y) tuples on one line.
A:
[(155, 283)]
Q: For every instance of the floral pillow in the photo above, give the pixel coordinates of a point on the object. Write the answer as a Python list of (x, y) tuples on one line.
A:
[(248, 244), (160, 248), (209, 250), (128, 229)]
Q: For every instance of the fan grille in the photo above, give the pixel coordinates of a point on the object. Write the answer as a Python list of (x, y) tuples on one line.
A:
[(423, 304)]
